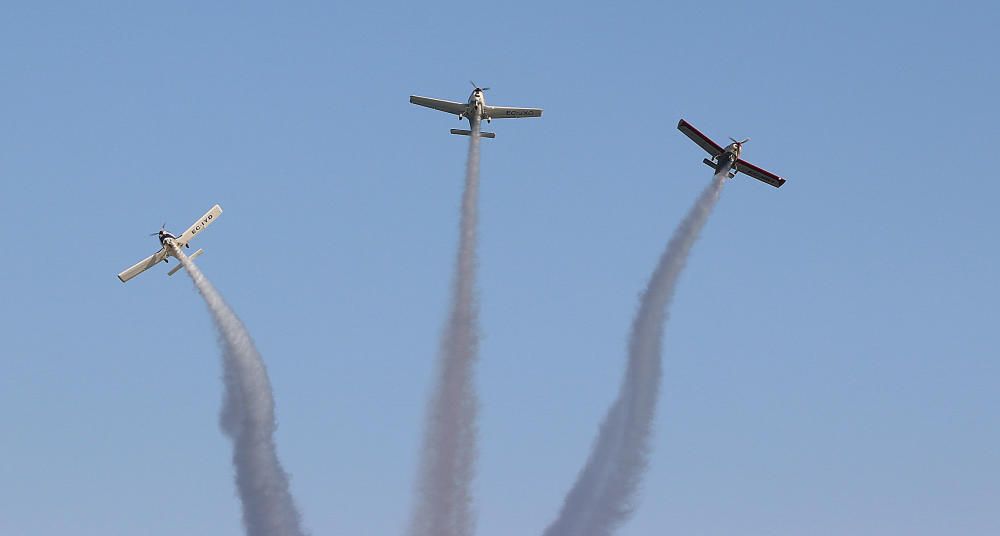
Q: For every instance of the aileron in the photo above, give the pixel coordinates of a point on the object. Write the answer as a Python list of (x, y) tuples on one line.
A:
[(200, 225), (451, 107), (760, 174), (143, 265), (507, 112), (702, 140)]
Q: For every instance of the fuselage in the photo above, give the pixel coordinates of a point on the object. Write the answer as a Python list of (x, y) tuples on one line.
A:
[(164, 235), (727, 160), (475, 108), (476, 104), (167, 241)]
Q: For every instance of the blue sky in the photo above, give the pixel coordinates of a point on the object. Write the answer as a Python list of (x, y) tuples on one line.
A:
[(831, 357)]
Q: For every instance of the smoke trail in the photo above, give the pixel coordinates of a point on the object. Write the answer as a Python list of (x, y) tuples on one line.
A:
[(443, 506), (247, 417), (601, 499)]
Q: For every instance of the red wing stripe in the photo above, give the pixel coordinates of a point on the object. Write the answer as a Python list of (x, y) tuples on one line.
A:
[(759, 174), (705, 142), (744, 163)]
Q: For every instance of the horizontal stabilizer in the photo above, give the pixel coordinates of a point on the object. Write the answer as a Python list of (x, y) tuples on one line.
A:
[(190, 258), (469, 133), (709, 163)]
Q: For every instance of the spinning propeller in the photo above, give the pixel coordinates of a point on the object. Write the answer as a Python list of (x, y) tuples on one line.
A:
[(162, 229), (477, 87), (740, 142)]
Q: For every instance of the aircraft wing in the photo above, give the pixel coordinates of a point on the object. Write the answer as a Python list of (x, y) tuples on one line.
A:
[(702, 140), (760, 174), (199, 225), (507, 112), (438, 104), (143, 265)]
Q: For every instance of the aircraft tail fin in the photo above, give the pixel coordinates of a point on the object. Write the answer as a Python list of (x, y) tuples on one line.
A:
[(469, 133), (709, 163), (179, 265)]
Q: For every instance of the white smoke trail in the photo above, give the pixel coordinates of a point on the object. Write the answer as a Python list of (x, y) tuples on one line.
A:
[(443, 504), (247, 417), (602, 497)]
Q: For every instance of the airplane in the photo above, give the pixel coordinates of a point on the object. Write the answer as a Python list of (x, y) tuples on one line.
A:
[(728, 160), (475, 109), (170, 245)]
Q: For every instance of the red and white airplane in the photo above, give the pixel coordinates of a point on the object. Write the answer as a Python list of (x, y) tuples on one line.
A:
[(728, 160)]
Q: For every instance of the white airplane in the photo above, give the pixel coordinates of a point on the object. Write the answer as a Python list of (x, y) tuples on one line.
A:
[(475, 110), (170, 245)]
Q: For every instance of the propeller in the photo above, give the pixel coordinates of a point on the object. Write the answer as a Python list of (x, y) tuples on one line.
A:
[(162, 228), (740, 142), (477, 87)]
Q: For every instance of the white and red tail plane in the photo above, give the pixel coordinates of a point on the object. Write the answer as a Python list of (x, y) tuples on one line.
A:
[(170, 244), (727, 160), (475, 110)]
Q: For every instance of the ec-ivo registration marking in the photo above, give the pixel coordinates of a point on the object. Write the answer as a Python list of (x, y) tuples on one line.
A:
[(201, 225)]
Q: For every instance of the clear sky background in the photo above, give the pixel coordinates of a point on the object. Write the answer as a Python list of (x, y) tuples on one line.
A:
[(831, 360)]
